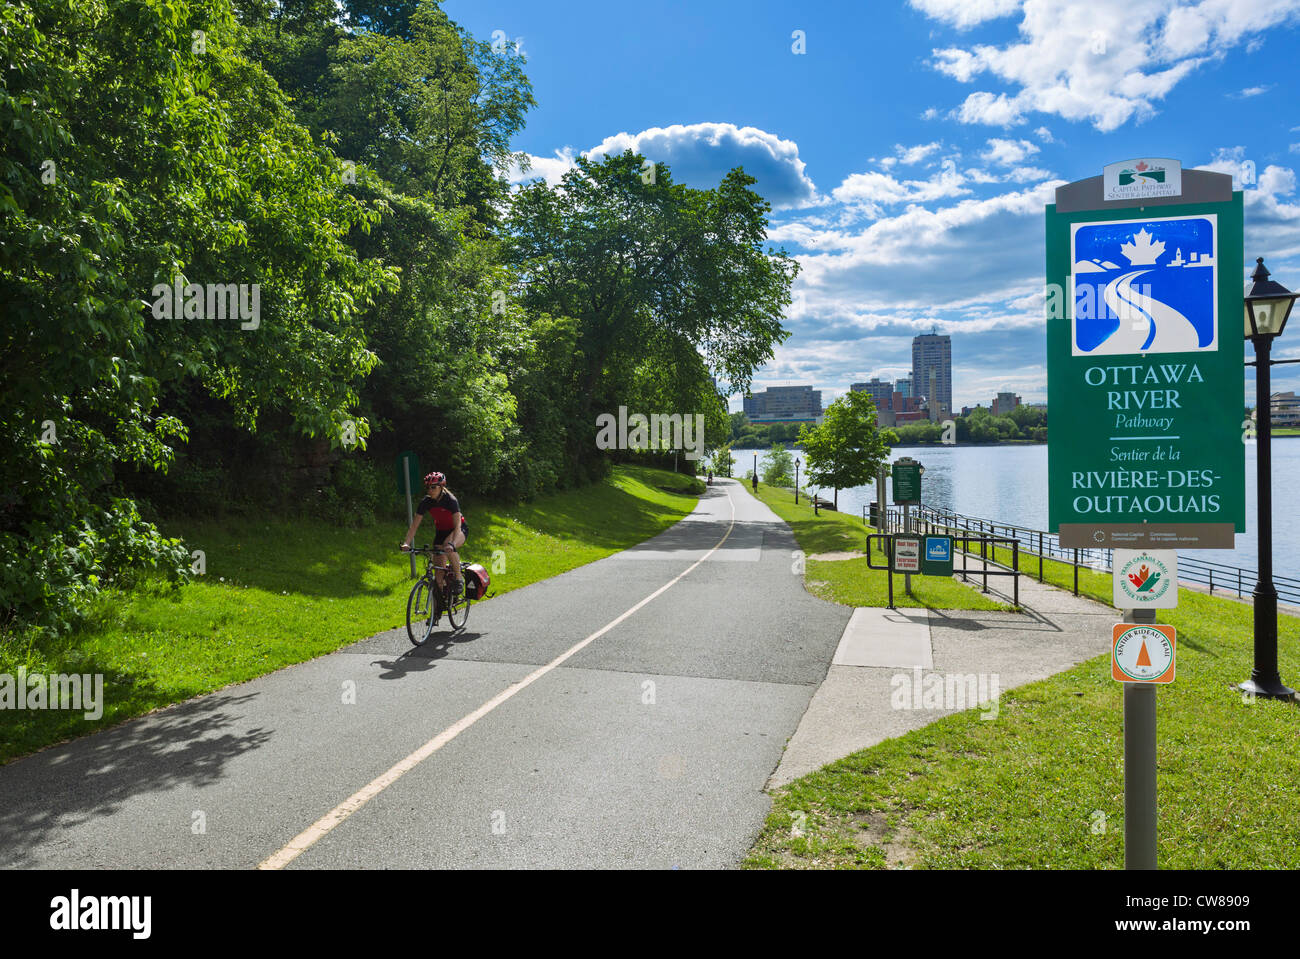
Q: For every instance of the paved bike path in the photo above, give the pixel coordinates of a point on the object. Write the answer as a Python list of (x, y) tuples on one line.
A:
[(650, 747)]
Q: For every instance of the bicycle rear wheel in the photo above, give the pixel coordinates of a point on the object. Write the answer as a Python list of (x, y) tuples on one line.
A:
[(419, 613), (458, 611)]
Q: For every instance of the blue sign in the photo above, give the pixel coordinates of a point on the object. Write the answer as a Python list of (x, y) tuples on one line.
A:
[(938, 549), (1144, 286)]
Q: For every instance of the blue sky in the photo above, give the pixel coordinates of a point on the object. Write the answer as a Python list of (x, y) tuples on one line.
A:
[(909, 151)]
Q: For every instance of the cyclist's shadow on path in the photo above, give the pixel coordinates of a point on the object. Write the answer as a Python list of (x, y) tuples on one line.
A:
[(420, 659)]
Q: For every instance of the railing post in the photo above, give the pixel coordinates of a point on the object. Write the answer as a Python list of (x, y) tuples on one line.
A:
[(1015, 561), (1211, 581), (1239, 582), (1040, 556), (1076, 571)]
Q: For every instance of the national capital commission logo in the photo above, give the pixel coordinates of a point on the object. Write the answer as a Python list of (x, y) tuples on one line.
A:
[(1144, 286), (1144, 579)]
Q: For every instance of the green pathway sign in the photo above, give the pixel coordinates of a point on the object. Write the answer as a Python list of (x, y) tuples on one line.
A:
[(1145, 374), (907, 482)]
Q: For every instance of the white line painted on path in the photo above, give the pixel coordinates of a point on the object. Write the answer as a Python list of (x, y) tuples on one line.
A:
[(317, 830)]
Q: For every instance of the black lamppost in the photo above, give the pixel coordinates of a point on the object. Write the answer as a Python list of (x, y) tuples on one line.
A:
[(796, 481), (1268, 304)]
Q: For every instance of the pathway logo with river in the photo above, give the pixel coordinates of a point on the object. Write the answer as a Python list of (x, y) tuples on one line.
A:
[(1145, 286)]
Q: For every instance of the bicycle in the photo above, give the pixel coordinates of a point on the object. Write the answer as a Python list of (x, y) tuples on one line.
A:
[(428, 601)]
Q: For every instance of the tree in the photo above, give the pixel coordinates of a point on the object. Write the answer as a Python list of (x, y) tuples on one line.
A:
[(778, 467), (135, 158), (650, 269), (722, 461), (846, 449)]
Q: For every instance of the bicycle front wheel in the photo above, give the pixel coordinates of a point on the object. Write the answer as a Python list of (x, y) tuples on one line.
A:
[(419, 613)]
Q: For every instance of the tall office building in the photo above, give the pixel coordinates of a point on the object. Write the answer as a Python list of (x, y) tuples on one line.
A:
[(932, 354), (881, 391), (785, 404)]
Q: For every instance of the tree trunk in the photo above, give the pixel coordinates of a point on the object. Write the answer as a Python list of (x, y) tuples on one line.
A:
[(837, 499)]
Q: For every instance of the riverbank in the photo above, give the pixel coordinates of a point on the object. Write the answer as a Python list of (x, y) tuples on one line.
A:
[(850, 581), (278, 593)]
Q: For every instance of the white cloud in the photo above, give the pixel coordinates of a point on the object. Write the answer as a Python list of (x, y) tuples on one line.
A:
[(910, 156), (1008, 152), (966, 13), (977, 251), (1045, 135), (872, 190), (1254, 91), (700, 154), (1107, 61), (548, 168)]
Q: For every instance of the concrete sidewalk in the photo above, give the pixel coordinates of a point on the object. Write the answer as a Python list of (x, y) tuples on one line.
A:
[(861, 702)]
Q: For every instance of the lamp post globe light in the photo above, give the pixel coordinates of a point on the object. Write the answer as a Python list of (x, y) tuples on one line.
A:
[(1267, 307)]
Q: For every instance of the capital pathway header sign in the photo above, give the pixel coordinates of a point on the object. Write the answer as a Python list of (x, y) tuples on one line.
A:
[(1145, 360)]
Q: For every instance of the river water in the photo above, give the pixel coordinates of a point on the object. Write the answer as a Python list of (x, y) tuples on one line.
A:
[(1009, 484)]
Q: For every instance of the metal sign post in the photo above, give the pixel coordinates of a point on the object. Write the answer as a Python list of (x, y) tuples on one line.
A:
[(907, 528), (907, 493), (1142, 656), (408, 462)]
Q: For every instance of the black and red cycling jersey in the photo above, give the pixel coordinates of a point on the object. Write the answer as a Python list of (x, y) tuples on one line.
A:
[(442, 511)]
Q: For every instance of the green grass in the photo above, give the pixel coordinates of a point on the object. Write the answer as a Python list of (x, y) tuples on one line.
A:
[(850, 581), (278, 592), (1042, 785)]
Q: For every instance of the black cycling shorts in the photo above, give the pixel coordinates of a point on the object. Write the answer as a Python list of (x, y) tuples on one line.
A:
[(442, 535)]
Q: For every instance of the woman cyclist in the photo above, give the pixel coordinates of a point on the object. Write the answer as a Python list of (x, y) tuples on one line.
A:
[(448, 522)]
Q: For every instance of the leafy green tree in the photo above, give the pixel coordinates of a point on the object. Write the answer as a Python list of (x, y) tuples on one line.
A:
[(650, 269), (778, 467), (138, 153), (846, 449), (432, 111)]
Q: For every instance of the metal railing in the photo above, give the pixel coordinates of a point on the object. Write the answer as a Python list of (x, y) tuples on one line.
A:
[(1037, 544)]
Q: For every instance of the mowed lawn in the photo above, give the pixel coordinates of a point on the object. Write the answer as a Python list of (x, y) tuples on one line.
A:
[(851, 581), (278, 592), (1042, 786)]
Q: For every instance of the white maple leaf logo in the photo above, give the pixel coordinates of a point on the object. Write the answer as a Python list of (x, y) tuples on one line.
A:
[(1142, 252)]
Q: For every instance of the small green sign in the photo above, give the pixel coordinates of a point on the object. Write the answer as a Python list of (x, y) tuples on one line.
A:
[(936, 556), (411, 462), (906, 482)]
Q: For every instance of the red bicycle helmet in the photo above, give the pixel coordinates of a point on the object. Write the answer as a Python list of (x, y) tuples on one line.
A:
[(434, 479)]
